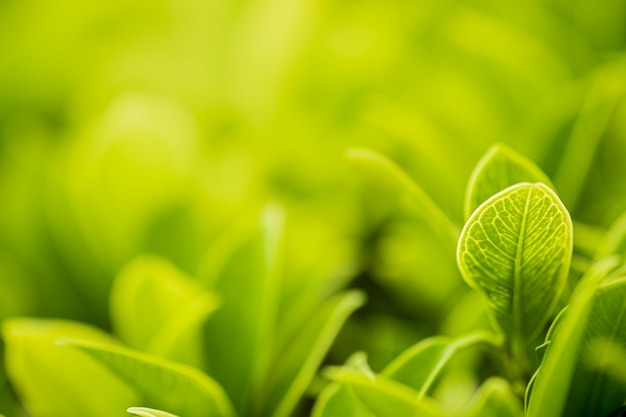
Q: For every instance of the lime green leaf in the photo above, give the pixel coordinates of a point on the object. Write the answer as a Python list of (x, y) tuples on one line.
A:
[(552, 380), (498, 169), (297, 365), (383, 169), (495, 398), (614, 240), (156, 308), (421, 365), (148, 412), (385, 397), (163, 384), (339, 400), (596, 389), (54, 381), (239, 337), (516, 249)]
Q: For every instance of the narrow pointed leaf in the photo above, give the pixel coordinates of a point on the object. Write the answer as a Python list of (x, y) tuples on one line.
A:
[(388, 172), (516, 249), (547, 395), (162, 384), (495, 398), (614, 240), (157, 308), (420, 366), (297, 365), (149, 412), (240, 335), (385, 397), (500, 168), (51, 380), (339, 400)]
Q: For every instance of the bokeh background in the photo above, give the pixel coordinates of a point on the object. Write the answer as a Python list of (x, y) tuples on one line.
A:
[(141, 126)]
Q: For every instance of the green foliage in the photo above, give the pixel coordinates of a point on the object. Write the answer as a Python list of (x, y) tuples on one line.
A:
[(183, 233)]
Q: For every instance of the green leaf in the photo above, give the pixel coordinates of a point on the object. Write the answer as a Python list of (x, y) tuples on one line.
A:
[(239, 337), (499, 168), (383, 169), (149, 412), (162, 384), (596, 389), (61, 382), (298, 363), (339, 400), (516, 249), (385, 397), (420, 366), (552, 380), (495, 398), (614, 240), (156, 308)]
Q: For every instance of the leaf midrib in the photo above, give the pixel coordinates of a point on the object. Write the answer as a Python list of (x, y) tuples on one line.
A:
[(517, 282)]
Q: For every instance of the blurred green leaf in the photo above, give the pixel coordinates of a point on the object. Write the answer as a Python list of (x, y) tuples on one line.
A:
[(422, 364), (499, 168), (239, 337), (297, 364), (384, 170), (55, 381), (614, 239), (385, 397), (495, 398), (516, 249), (155, 307), (162, 384), (339, 400), (552, 381), (149, 412)]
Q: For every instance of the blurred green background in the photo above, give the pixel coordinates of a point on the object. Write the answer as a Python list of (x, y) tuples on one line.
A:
[(154, 126)]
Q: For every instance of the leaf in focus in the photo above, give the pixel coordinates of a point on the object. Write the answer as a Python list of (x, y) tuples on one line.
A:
[(240, 335), (516, 249), (149, 412), (297, 364), (339, 400), (385, 397), (162, 384), (548, 391), (156, 308), (421, 365), (495, 398), (61, 382), (499, 168)]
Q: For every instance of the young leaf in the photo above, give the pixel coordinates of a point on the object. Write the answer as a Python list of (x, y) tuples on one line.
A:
[(495, 398), (339, 400), (385, 170), (385, 397), (156, 308), (420, 365), (552, 380), (516, 249), (149, 412), (61, 382), (162, 384), (239, 337), (498, 169), (298, 364)]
